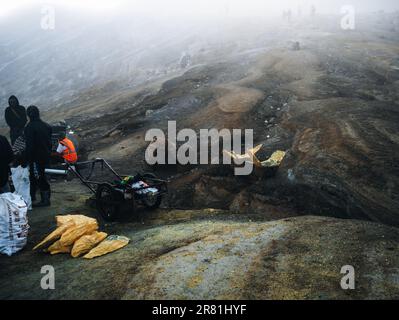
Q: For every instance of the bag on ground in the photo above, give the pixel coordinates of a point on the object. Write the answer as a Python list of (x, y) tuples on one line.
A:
[(20, 179), (14, 225)]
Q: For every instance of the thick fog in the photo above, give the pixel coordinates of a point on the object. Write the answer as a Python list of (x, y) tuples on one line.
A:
[(50, 51), (201, 8)]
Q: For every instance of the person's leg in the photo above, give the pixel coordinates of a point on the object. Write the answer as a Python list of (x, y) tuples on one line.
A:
[(44, 186), (43, 183), (33, 182)]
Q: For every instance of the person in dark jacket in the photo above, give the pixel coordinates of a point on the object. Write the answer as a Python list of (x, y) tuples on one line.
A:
[(16, 118), (5, 160), (38, 153)]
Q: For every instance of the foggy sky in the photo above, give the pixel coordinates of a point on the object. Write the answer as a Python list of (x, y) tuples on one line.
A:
[(201, 8), (97, 41)]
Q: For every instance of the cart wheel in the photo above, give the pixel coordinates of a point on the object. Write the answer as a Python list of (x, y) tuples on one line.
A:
[(151, 201), (107, 202)]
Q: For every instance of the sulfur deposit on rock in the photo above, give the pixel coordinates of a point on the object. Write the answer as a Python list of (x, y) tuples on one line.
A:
[(275, 160), (332, 106), (214, 254), (295, 258), (250, 156)]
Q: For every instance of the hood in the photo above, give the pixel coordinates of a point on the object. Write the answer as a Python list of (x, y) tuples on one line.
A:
[(13, 101), (33, 113)]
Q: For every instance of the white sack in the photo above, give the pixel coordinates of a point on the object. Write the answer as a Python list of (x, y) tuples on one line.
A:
[(13, 223), (20, 179)]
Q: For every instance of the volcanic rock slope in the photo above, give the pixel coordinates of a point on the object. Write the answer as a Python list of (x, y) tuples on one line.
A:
[(333, 106)]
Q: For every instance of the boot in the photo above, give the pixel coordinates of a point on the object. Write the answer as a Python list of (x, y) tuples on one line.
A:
[(45, 202)]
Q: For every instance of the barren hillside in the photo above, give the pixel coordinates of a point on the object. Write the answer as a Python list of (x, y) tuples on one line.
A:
[(331, 104)]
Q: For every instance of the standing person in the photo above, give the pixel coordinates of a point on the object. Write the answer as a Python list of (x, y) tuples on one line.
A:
[(313, 10), (299, 11), (289, 15), (38, 153), (15, 116), (5, 160)]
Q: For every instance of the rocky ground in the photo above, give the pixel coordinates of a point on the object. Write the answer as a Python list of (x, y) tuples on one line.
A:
[(209, 254), (332, 106)]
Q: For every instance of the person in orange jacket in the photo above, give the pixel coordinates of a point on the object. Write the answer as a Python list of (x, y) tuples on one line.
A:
[(66, 150)]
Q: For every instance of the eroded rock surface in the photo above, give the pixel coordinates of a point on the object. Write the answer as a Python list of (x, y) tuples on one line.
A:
[(210, 254), (331, 105), (298, 258)]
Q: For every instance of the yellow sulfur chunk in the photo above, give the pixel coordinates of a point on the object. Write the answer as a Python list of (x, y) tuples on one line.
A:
[(275, 160), (76, 219), (75, 232), (57, 248), (111, 244), (86, 243), (55, 235)]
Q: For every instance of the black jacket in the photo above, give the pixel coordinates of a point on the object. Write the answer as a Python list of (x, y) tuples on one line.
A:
[(38, 141), (6, 156), (15, 114)]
